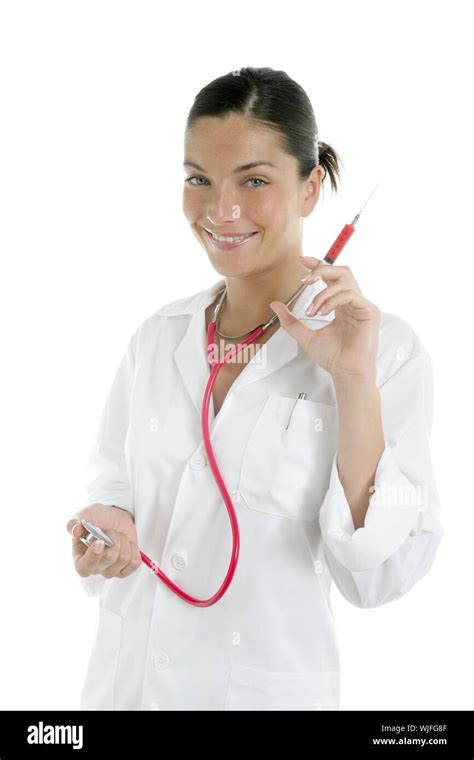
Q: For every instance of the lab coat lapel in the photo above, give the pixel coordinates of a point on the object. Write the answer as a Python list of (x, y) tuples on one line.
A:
[(280, 349), (191, 354), (275, 353)]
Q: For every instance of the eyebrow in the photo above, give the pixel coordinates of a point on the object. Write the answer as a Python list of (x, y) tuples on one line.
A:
[(243, 168)]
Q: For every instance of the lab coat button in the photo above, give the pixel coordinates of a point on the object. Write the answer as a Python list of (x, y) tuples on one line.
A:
[(318, 567), (178, 562), (198, 462), (161, 660)]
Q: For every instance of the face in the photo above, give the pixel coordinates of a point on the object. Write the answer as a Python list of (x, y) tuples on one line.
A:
[(264, 204)]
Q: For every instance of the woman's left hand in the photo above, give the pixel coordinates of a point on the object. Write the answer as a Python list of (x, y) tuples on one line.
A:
[(347, 346)]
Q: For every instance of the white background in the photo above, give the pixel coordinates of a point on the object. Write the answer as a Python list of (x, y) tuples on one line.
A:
[(93, 98)]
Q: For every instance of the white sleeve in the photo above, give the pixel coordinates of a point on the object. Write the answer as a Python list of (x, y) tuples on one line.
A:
[(395, 548), (107, 477)]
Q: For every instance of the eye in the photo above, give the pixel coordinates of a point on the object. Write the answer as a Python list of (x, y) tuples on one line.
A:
[(188, 179), (258, 180), (200, 184)]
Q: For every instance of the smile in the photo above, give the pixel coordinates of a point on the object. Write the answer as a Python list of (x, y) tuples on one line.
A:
[(228, 241)]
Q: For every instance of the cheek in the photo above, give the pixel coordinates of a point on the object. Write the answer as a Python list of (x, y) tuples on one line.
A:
[(270, 210), (191, 206)]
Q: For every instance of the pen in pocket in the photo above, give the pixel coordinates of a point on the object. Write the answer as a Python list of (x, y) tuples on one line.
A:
[(300, 395)]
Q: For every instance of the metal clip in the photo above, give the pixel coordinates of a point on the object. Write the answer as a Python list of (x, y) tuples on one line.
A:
[(300, 395)]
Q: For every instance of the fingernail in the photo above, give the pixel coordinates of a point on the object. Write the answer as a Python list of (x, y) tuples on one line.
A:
[(99, 546), (77, 525), (309, 311)]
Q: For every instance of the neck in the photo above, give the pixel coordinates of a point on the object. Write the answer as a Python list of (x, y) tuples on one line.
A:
[(247, 301)]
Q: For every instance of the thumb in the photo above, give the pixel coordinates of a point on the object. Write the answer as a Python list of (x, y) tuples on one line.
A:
[(291, 324), (282, 312)]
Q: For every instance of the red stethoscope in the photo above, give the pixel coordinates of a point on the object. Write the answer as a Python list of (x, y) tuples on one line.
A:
[(216, 365)]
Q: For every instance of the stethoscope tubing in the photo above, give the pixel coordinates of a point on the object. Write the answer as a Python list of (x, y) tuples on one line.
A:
[(207, 397)]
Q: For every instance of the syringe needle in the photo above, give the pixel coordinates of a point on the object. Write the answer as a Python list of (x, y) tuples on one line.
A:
[(365, 204)]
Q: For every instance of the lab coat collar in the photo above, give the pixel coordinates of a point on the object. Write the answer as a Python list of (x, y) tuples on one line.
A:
[(191, 353)]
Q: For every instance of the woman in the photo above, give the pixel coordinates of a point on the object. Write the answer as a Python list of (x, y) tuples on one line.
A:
[(337, 487)]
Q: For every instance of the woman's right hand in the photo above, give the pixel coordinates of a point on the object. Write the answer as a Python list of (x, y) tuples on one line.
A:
[(116, 561)]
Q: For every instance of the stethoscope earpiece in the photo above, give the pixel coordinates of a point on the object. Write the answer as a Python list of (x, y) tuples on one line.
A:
[(94, 534)]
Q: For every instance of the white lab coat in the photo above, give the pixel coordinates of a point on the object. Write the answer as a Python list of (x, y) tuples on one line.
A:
[(270, 643)]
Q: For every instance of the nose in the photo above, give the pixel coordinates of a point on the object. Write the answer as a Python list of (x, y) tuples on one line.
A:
[(223, 208)]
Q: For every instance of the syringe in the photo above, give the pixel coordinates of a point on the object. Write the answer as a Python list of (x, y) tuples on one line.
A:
[(344, 235)]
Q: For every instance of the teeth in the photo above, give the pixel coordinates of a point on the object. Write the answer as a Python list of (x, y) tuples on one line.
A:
[(230, 239)]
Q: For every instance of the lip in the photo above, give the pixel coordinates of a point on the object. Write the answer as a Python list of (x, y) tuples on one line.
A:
[(228, 246), (229, 232)]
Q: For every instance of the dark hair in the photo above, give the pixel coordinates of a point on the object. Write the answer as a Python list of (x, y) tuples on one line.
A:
[(274, 99)]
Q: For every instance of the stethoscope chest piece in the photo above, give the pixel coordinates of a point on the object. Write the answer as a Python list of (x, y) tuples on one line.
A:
[(94, 534)]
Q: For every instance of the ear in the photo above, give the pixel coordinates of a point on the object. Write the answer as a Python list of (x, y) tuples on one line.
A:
[(312, 187)]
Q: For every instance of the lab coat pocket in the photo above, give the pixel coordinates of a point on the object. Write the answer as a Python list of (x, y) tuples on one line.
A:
[(286, 472), (254, 689), (99, 686)]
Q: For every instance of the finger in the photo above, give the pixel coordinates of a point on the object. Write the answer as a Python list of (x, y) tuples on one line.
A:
[(329, 273), (325, 272), (78, 548), (121, 561), (77, 531), (111, 554), (134, 563), (71, 524), (291, 324), (88, 561), (346, 297), (322, 297), (310, 261)]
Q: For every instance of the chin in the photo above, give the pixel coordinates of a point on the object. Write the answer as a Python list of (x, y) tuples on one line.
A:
[(228, 268)]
